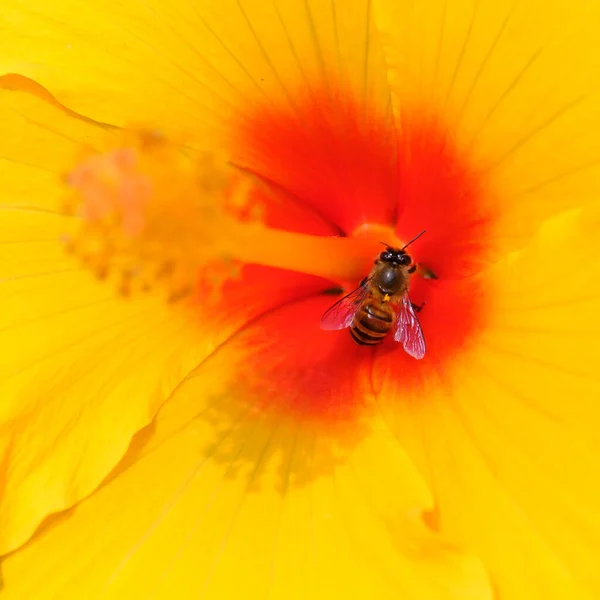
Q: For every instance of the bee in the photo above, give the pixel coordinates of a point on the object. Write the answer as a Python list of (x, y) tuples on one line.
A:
[(381, 303)]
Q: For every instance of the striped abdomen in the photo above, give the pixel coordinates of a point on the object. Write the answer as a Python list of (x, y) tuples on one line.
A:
[(372, 323)]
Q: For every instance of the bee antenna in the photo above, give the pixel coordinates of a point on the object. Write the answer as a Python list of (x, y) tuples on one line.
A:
[(415, 238), (386, 245)]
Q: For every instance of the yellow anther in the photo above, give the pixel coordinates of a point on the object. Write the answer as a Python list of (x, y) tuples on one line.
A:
[(152, 212)]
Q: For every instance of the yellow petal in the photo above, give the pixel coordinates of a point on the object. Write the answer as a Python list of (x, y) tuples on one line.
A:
[(190, 65), (229, 495), (506, 435), (81, 369), (516, 85)]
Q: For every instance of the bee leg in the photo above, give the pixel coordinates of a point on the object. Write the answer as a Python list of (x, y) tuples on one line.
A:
[(426, 273), (418, 307), (413, 268), (363, 281)]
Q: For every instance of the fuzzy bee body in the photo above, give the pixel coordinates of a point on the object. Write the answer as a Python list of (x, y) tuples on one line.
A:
[(381, 304), (372, 322)]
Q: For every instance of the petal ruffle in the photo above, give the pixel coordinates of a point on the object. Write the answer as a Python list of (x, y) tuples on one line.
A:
[(295, 91), (516, 88), (226, 494), (82, 370), (182, 62), (506, 434)]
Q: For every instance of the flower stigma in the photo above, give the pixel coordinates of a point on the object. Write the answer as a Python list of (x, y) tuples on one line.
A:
[(152, 213)]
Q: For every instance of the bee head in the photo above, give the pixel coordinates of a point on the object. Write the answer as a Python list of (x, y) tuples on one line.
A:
[(398, 256), (395, 256)]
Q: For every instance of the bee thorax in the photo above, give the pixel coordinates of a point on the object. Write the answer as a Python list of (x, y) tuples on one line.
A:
[(391, 280)]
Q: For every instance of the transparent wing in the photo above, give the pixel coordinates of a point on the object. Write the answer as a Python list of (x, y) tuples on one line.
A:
[(340, 315), (408, 329)]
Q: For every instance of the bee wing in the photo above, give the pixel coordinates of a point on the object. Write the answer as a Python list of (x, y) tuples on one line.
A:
[(408, 329), (340, 315)]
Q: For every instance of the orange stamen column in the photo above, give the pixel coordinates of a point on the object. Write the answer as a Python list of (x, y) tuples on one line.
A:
[(342, 259)]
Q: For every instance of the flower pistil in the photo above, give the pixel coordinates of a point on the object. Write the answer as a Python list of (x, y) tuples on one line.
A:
[(151, 213)]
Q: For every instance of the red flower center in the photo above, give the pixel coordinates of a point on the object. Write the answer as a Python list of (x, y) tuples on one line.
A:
[(350, 169)]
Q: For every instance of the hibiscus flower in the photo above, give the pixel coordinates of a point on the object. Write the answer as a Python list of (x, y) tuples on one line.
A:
[(186, 188)]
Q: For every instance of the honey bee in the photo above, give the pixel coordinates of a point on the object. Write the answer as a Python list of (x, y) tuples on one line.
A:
[(381, 303)]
